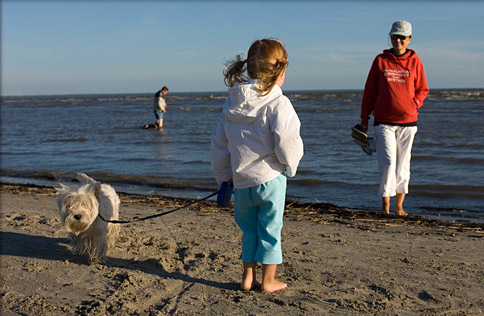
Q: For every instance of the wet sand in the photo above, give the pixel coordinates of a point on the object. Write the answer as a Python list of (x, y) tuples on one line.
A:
[(336, 262)]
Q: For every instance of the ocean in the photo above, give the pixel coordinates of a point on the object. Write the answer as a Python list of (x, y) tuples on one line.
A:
[(47, 139)]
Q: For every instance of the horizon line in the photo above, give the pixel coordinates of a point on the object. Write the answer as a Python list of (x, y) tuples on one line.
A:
[(190, 92)]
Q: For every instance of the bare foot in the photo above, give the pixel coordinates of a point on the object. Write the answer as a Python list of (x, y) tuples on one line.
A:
[(274, 286), (249, 277), (385, 205), (399, 205), (254, 285)]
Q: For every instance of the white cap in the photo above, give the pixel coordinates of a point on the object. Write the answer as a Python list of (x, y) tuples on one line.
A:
[(401, 28)]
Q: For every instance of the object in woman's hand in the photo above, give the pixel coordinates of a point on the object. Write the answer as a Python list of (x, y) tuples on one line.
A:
[(361, 138)]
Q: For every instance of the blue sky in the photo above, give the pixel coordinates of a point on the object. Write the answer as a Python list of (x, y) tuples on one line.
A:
[(75, 47)]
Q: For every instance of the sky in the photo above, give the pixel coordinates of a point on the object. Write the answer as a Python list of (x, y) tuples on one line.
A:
[(90, 47)]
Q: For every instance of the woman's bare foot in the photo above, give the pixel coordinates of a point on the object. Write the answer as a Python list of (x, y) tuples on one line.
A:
[(274, 286), (399, 205), (385, 204)]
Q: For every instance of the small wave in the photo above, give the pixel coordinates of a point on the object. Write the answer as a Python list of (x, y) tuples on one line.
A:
[(468, 195), (461, 191), (468, 160), (465, 160), (124, 98), (35, 174), (306, 182), (135, 159), (19, 152), (152, 181), (196, 162), (319, 110), (304, 171), (450, 187), (471, 94), (418, 157), (448, 209), (67, 140), (35, 105), (470, 146), (453, 214)]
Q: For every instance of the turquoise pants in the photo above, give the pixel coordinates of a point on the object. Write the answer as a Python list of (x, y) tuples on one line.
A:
[(258, 211)]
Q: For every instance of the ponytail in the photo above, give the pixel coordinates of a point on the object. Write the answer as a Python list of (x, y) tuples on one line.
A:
[(266, 61), (234, 73)]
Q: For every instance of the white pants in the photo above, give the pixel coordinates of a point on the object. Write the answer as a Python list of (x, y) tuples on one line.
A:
[(393, 152)]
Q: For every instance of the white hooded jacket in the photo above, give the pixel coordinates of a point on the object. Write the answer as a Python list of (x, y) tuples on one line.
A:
[(257, 137)]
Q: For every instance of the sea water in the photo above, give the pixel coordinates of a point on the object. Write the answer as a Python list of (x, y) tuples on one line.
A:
[(47, 139)]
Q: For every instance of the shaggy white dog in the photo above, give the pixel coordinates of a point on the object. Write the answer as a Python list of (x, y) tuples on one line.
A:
[(79, 209)]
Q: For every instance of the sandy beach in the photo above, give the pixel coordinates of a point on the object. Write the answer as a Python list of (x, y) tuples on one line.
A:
[(336, 262)]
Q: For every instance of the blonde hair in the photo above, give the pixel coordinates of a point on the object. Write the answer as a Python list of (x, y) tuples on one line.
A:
[(266, 61)]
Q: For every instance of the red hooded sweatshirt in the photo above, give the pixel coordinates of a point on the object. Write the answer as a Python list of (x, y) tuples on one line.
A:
[(395, 89)]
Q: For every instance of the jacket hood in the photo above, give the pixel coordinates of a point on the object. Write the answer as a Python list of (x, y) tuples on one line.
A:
[(245, 101), (410, 54), (401, 60)]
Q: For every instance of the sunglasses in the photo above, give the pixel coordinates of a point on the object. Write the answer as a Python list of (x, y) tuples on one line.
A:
[(400, 37)]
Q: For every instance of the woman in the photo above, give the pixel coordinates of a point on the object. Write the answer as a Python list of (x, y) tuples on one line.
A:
[(394, 91)]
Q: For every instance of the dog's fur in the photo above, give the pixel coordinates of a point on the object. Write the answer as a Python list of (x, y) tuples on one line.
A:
[(79, 208)]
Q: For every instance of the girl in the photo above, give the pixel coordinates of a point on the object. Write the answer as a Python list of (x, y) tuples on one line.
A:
[(395, 89), (257, 145)]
